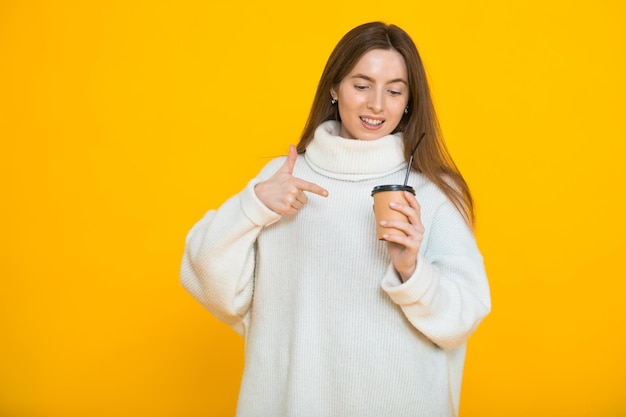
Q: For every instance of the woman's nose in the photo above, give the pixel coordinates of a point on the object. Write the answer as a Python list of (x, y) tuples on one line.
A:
[(375, 102)]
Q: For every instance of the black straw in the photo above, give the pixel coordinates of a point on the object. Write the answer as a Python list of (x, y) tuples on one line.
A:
[(408, 169)]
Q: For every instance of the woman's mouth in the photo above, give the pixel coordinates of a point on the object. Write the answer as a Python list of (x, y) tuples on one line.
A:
[(372, 123)]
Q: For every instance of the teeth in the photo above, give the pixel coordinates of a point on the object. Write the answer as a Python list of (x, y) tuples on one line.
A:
[(371, 121)]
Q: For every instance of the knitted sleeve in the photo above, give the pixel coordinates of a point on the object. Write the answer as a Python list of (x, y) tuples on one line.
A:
[(448, 295), (218, 262)]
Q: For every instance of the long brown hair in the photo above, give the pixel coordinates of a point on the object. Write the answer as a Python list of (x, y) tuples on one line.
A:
[(433, 159)]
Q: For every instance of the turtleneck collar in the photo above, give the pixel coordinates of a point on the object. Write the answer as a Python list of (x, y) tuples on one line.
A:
[(351, 159)]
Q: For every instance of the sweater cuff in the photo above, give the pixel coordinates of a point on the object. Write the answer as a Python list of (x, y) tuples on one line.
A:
[(414, 288), (254, 209)]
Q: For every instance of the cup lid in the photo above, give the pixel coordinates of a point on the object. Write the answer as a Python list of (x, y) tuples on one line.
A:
[(393, 187)]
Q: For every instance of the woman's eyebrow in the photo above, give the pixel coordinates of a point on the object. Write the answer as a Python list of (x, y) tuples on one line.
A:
[(368, 78)]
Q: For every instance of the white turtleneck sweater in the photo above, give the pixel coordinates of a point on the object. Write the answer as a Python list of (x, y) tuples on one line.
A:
[(330, 329)]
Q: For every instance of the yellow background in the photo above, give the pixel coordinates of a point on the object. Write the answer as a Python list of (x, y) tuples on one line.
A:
[(122, 122)]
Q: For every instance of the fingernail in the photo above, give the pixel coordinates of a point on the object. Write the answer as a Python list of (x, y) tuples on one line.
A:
[(383, 222), (393, 204)]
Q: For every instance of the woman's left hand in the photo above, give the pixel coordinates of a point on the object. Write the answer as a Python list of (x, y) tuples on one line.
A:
[(403, 249)]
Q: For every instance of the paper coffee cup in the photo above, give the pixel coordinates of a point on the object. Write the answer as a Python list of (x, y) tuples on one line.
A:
[(383, 195)]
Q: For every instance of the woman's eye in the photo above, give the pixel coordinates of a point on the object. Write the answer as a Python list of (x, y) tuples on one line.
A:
[(360, 87), (394, 93)]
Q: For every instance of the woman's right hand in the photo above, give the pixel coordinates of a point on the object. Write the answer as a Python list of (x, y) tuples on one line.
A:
[(282, 192)]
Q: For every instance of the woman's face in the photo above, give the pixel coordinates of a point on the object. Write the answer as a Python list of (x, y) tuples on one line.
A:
[(373, 96)]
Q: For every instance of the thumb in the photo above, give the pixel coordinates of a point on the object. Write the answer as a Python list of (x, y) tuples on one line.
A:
[(291, 160)]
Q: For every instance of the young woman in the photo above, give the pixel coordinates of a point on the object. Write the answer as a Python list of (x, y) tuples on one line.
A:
[(337, 322)]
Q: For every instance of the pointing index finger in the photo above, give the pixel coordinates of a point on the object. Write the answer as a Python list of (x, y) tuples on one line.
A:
[(311, 187)]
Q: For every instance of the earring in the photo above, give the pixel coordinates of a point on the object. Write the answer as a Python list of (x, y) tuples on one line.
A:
[(406, 110), (333, 101)]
